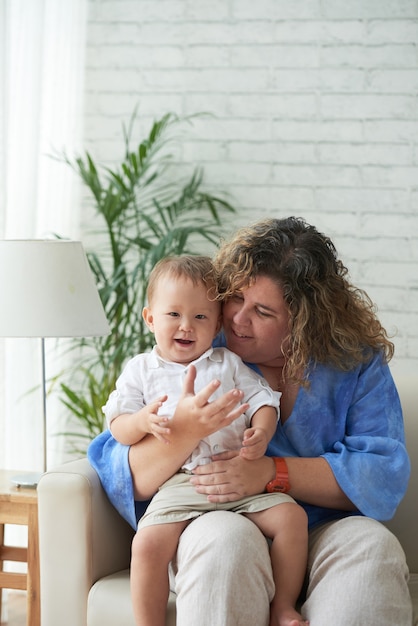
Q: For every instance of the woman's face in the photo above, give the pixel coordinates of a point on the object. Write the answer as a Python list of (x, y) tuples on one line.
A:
[(256, 322)]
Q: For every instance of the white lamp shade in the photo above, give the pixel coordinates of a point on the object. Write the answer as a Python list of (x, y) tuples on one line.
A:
[(47, 290)]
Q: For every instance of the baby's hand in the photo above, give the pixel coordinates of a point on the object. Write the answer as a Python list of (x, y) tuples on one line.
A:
[(254, 444), (153, 423)]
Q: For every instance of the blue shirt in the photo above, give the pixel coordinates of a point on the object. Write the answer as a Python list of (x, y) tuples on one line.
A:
[(352, 419)]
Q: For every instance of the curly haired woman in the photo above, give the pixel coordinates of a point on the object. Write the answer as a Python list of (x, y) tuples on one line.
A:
[(291, 313)]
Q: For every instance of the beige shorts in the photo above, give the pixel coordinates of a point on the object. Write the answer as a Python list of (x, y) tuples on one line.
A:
[(177, 500)]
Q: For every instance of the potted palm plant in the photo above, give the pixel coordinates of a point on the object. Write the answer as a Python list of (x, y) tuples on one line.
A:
[(141, 213)]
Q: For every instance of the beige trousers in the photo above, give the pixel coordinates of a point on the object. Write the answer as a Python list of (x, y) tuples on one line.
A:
[(357, 574)]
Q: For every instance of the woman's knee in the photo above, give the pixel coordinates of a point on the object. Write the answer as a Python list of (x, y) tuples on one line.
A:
[(222, 535), (223, 555), (356, 538), (357, 574)]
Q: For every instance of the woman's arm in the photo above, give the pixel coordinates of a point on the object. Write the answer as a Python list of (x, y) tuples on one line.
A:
[(153, 462), (231, 477), (365, 469)]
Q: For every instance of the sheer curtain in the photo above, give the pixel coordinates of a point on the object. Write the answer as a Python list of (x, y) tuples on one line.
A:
[(42, 49)]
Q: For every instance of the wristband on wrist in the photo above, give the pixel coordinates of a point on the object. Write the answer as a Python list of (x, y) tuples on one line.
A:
[(280, 483)]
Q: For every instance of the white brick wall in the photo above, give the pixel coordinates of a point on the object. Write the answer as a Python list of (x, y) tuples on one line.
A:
[(315, 113)]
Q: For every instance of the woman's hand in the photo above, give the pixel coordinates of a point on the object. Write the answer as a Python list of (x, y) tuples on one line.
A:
[(230, 477)]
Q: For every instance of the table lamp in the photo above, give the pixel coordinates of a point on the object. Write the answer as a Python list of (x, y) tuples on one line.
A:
[(47, 290)]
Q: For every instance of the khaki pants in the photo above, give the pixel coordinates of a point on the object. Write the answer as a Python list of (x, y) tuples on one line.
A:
[(177, 500), (357, 574)]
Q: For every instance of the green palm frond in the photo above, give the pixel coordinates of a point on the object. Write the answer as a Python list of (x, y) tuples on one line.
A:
[(143, 212)]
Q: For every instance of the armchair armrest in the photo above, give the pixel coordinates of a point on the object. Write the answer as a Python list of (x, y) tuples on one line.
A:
[(81, 537)]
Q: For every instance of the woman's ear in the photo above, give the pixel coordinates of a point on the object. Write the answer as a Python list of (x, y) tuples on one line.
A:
[(148, 318)]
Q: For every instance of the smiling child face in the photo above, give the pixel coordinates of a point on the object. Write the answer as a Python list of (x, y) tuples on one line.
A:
[(183, 318)]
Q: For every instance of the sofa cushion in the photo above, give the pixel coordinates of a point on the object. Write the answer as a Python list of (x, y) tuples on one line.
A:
[(101, 612), (413, 589)]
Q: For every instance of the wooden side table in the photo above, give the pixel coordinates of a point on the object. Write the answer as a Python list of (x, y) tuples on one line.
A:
[(20, 506)]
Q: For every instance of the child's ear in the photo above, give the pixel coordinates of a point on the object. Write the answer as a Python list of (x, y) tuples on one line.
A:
[(148, 318)]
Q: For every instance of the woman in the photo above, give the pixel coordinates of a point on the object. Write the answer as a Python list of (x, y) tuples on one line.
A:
[(289, 309)]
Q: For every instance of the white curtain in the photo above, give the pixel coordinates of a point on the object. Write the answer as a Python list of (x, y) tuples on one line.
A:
[(42, 50)]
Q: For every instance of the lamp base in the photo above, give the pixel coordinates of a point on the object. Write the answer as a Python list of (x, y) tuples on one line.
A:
[(28, 480)]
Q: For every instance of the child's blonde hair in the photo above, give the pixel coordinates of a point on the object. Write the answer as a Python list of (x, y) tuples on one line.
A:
[(199, 269)]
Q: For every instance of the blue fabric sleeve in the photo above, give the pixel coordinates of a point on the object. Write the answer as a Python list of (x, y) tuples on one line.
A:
[(370, 462), (110, 460)]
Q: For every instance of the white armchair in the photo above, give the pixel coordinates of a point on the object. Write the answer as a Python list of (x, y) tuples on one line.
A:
[(85, 544), (85, 547)]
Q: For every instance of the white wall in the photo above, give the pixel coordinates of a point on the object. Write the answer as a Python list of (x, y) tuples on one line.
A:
[(315, 114)]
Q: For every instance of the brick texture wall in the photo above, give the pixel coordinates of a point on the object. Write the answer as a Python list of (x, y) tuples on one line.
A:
[(314, 113)]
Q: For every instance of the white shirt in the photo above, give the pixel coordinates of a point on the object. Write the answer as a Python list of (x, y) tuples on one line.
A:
[(147, 377)]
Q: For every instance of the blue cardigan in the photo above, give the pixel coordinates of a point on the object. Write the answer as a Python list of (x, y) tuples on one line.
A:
[(351, 419)]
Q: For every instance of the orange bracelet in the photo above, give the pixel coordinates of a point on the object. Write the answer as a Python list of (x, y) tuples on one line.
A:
[(280, 483)]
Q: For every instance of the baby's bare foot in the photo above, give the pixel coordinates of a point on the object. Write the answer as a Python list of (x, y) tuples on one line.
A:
[(288, 617)]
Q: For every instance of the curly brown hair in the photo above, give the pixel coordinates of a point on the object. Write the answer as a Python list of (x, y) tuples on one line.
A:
[(331, 321)]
